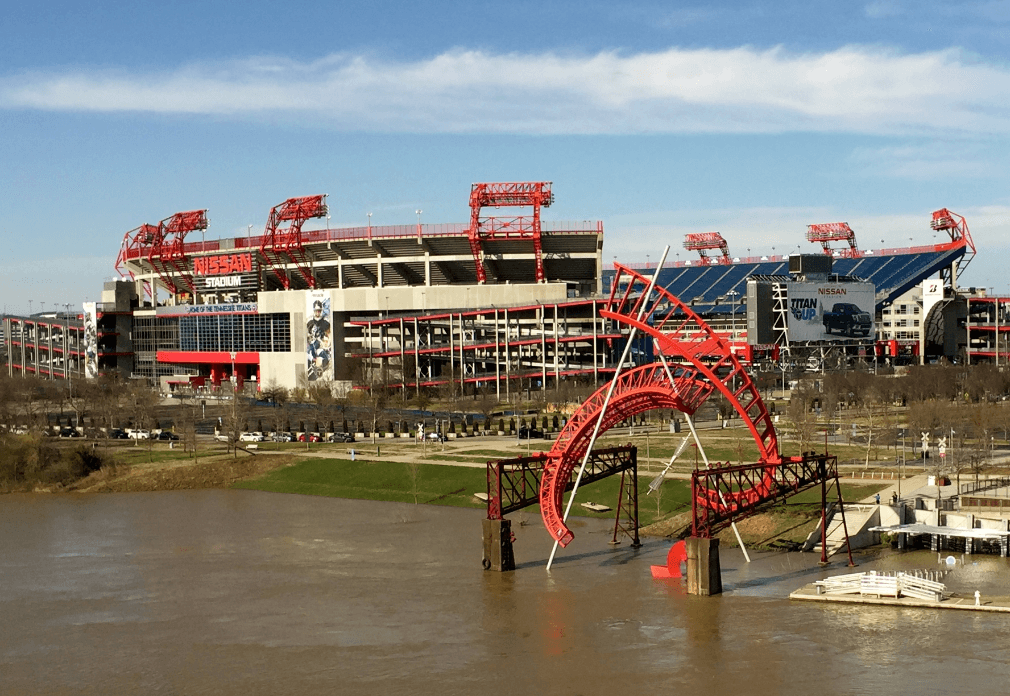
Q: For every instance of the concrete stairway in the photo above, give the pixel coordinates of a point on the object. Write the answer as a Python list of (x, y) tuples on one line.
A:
[(858, 519)]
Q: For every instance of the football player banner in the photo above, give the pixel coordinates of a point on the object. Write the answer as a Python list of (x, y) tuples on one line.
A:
[(318, 336)]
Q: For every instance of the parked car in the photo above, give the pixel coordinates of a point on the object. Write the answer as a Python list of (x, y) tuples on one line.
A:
[(165, 435), (309, 437), (69, 432), (282, 437), (341, 437), (117, 434), (139, 434), (530, 433), (251, 437)]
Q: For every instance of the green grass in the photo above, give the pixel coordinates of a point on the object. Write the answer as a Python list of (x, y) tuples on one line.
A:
[(443, 484), (440, 484), (141, 455), (392, 481)]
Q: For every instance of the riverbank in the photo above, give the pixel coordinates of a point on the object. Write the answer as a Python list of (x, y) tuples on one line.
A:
[(448, 474)]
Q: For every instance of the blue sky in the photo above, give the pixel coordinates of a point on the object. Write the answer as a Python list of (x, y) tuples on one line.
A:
[(751, 118)]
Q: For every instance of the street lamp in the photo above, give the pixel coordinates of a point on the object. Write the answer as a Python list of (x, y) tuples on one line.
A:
[(369, 224), (249, 236), (418, 211), (66, 351), (733, 294)]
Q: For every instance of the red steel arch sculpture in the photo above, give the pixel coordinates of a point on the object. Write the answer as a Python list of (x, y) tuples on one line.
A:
[(701, 363)]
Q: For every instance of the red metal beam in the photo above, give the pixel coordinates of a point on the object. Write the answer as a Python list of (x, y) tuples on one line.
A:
[(484, 228), (285, 242), (827, 232), (704, 241)]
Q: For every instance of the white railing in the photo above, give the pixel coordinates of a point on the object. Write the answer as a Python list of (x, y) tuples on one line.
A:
[(875, 584)]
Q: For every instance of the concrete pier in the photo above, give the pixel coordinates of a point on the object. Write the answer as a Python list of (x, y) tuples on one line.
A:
[(704, 574), (498, 553)]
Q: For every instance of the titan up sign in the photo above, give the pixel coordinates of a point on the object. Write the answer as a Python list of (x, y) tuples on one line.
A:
[(226, 272), (831, 311)]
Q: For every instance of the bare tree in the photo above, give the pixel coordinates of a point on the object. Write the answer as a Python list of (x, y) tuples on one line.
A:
[(234, 420), (801, 417)]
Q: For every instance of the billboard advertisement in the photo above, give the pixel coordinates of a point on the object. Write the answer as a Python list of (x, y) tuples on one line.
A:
[(318, 336), (90, 340), (831, 311)]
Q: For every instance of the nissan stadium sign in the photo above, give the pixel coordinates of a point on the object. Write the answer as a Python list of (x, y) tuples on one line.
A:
[(226, 272)]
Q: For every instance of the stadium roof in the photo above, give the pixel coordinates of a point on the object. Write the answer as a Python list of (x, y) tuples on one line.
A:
[(893, 272)]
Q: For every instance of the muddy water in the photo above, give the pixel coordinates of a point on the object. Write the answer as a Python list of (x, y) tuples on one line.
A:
[(239, 592)]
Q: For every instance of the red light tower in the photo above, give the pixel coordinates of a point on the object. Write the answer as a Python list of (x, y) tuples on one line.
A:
[(828, 232), (703, 241), (284, 244), (163, 245), (535, 194)]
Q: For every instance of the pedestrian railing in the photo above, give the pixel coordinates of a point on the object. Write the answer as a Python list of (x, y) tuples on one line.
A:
[(917, 584)]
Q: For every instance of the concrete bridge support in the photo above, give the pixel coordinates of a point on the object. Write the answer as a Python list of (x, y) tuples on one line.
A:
[(704, 574), (498, 545)]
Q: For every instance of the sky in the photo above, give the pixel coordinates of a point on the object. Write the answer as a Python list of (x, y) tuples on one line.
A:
[(753, 119)]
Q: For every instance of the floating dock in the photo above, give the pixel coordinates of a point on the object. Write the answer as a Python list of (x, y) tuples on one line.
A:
[(999, 604)]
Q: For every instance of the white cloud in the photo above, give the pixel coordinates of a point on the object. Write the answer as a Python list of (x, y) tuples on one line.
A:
[(935, 160), (883, 8), (740, 90)]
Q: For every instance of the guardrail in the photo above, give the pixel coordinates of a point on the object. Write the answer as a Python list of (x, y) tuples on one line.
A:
[(917, 584), (985, 485)]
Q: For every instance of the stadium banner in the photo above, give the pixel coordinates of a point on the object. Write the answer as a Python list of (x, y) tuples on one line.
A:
[(318, 336), (831, 311), (90, 339)]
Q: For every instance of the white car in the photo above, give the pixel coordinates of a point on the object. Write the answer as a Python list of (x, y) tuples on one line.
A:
[(251, 437), (139, 434)]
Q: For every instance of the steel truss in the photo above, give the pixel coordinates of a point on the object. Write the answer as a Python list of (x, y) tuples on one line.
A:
[(163, 246), (514, 484), (284, 244), (484, 228), (725, 494)]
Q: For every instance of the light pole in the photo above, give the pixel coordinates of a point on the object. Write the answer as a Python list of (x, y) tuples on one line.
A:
[(734, 294), (66, 351), (369, 224), (248, 236), (418, 211), (328, 218)]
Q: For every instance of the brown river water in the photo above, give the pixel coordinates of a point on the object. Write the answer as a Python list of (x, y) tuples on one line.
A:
[(242, 592)]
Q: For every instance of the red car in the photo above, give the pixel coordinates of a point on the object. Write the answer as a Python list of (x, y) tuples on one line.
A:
[(308, 437)]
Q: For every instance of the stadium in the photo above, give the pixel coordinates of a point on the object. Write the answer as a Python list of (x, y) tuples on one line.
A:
[(502, 304)]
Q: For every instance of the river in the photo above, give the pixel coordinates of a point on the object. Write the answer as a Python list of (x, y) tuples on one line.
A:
[(243, 592)]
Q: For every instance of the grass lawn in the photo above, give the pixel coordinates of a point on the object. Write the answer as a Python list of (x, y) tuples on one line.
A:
[(441, 484)]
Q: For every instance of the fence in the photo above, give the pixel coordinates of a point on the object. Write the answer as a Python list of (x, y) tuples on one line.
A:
[(919, 584)]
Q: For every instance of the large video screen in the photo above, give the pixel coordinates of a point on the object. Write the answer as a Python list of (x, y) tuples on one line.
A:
[(831, 311)]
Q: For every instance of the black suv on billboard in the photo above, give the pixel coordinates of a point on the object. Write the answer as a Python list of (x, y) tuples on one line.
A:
[(848, 319)]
